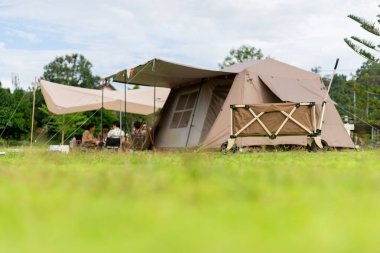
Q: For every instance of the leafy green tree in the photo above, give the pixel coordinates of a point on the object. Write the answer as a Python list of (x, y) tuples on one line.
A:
[(242, 54), (74, 70), (368, 79), (341, 92), (364, 47), (365, 86), (15, 113), (6, 105)]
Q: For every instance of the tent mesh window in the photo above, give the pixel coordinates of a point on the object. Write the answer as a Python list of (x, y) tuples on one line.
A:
[(184, 110)]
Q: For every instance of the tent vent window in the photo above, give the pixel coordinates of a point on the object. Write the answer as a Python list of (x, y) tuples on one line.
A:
[(184, 110)]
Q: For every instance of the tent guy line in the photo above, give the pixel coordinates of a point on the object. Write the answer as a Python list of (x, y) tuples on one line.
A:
[(81, 126)]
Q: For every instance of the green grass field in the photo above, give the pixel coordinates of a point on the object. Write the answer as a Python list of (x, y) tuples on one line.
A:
[(190, 202)]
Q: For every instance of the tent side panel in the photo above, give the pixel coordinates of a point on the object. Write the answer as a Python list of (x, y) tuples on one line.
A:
[(220, 130), (200, 111), (219, 95), (333, 130)]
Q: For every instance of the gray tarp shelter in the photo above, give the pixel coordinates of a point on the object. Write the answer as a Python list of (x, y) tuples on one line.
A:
[(196, 113)]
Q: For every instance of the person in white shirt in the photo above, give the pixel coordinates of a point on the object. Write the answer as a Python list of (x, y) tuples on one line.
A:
[(116, 132)]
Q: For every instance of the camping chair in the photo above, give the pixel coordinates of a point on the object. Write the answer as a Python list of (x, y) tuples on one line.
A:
[(142, 140), (78, 138), (113, 143), (88, 146)]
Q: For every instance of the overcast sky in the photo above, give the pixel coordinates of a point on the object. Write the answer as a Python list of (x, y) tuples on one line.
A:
[(118, 34)]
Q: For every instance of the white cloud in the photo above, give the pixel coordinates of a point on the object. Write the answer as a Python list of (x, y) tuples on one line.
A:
[(117, 34), (19, 34), (27, 64)]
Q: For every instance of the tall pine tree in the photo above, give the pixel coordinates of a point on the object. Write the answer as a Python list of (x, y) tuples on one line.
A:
[(366, 48)]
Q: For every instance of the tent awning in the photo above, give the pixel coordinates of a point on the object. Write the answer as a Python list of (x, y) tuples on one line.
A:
[(166, 74), (63, 99)]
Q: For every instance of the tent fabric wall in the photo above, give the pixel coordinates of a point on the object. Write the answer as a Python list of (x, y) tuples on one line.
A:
[(63, 99), (204, 104), (219, 95)]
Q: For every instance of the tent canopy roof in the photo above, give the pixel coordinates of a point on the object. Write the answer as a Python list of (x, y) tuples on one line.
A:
[(173, 75), (287, 82), (166, 74)]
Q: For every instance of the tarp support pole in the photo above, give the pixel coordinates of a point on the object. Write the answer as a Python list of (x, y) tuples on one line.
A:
[(125, 101), (34, 107), (154, 103), (101, 111), (121, 121), (63, 130)]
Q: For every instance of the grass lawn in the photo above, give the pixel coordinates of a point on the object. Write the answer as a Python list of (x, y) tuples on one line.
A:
[(190, 202)]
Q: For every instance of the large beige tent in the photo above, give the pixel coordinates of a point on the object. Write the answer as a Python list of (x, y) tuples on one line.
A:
[(62, 99), (197, 111)]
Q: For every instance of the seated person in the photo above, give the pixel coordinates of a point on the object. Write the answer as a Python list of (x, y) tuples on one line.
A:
[(88, 139), (116, 132), (140, 128), (139, 135), (103, 136)]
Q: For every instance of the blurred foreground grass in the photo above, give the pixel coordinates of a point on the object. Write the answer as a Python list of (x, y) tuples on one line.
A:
[(190, 202)]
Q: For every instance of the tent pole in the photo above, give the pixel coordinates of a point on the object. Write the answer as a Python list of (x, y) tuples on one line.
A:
[(34, 106), (101, 112), (195, 109), (125, 102), (154, 103), (63, 130), (121, 121)]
